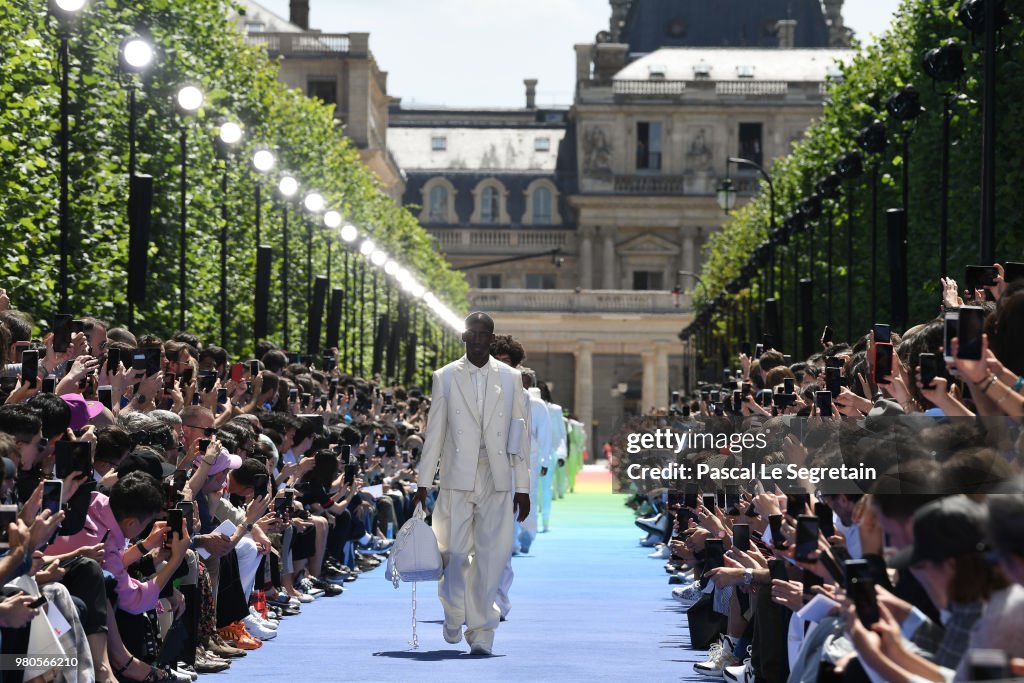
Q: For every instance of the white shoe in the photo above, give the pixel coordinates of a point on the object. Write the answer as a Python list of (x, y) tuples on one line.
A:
[(743, 673), (651, 540), (480, 649), (269, 623), (308, 588), (654, 525), (719, 656), (258, 630), (662, 553), (687, 595), (452, 636)]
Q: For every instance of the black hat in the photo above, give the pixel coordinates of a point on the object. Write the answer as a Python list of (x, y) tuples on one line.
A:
[(145, 462), (948, 527)]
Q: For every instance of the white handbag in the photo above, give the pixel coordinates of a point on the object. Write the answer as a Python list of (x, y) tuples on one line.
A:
[(414, 557)]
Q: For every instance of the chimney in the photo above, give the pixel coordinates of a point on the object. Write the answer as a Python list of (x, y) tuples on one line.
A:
[(531, 93), (786, 30), (299, 13)]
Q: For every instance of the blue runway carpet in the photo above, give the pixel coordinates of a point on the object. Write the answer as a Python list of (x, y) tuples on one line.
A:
[(587, 605)]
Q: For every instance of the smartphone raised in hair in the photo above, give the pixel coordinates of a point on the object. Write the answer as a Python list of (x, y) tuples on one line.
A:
[(787, 384), (152, 354), (8, 515), (741, 536), (978, 277), (855, 569), (105, 394), (951, 327), (710, 501), (737, 401), (969, 331), (222, 396), (883, 362), (1013, 271), (237, 372), (30, 367), (70, 457), (883, 333), (865, 601), (930, 369), (833, 380), (714, 553), (823, 401), (775, 524), (767, 398), (691, 496), (169, 381), (53, 490), (796, 504), (175, 522), (826, 335), (187, 508), (826, 524), (61, 332), (806, 537), (350, 473), (777, 569)]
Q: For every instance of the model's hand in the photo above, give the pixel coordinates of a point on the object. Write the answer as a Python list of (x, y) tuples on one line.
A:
[(420, 499), (543, 471), (520, 504)]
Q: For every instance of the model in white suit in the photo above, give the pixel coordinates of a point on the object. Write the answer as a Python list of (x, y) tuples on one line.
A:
[(540, 456), (476, 434)]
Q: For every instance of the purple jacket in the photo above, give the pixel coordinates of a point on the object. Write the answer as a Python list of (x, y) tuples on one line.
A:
[(134, 597)]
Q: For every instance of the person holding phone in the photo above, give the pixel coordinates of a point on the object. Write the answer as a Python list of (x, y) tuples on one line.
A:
[(475, 401)]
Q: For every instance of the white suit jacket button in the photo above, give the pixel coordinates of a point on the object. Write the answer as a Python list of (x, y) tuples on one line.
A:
[(499, 433), (458, 412)]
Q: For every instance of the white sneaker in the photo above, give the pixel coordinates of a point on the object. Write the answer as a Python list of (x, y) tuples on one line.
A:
[(687, 595), (743, 673), (258, 630), (272, 624), (719, 656), (662, 553), (651, 540)]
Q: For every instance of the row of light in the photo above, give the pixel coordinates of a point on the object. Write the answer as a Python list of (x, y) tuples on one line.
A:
[(136, 55)]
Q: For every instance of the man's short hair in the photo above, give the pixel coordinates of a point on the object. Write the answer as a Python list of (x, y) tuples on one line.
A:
[(19, 323), (1006, 523), (112, 443), (480, 317), (122, 336), (274, 360), (54, 413), (246, 474), (262, 347), (219, 355), (771, 359), (17, 419), (136, 495)]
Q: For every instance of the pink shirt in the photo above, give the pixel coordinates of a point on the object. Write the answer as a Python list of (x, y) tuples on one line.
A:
[(134, 597)]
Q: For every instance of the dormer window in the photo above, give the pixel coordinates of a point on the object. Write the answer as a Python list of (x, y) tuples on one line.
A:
[(438, 143), (834, 74), (542, 144), (745, 71), (657, 72), (702, 70)]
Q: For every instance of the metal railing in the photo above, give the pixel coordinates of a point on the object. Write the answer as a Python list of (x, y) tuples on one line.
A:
[(301, 44), (752, 88), (511, 240), (649, 184), (571, 301), (656, 88)]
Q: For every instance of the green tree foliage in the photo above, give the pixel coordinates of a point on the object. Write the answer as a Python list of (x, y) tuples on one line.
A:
[(875, 73), (195, 43)]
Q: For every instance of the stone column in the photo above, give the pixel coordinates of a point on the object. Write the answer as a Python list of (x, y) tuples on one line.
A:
[(608, 280), (649, 389), (586, 274), (689, 259), (661, 378), (583, 405)]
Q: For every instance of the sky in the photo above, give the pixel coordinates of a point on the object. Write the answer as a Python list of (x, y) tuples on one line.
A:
[(476, 53)]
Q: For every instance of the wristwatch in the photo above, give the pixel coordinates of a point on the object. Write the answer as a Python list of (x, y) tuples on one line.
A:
[(748, 577), (142, 548), (249, 526)]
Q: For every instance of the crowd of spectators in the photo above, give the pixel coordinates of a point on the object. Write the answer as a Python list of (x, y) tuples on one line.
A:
[(164, 508), (897, 552)]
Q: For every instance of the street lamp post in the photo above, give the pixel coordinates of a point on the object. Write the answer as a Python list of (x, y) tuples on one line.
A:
[(65, 11), (135, 55), (229, 134), (189, 100), (288, 187)]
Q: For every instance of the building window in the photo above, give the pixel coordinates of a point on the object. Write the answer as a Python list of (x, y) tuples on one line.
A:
[(540, 281), (438, 204), (490, 207), (438, 143), (647, 280), (542, 144), (648, 146), (489, 281), (750, 142), (255, 27), (323, 89), (542, 206), (745, 71)]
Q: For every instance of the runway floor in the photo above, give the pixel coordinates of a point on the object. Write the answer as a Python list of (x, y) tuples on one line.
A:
[(587, 605)]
